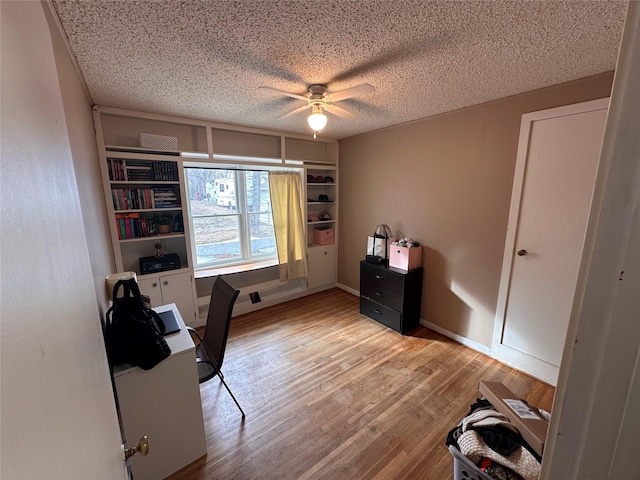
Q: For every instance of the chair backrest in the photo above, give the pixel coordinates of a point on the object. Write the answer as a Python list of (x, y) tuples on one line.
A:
[(223, 297)]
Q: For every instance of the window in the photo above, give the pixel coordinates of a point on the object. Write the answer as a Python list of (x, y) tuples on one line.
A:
[(230, 211)]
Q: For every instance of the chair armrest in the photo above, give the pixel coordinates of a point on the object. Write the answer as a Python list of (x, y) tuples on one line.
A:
[(193, 330)]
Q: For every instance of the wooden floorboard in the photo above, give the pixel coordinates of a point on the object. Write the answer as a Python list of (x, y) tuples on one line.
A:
[(332, 394)]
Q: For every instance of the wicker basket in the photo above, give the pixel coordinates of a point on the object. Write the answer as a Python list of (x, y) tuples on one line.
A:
[(465, 469)]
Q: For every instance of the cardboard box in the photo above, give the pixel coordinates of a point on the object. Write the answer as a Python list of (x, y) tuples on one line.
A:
[(324, 236), (406, 258), (529, 423)]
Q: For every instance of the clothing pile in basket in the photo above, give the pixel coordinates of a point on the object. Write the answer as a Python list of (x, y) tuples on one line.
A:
[(489, 440)]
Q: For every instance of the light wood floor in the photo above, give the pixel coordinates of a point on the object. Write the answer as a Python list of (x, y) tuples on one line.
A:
[(331, 394)]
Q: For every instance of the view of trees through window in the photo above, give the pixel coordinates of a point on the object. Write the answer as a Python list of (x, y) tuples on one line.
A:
[(231, 215)]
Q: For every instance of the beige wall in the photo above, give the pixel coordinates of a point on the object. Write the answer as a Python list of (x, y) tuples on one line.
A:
[(445, 182), (58, 415), (82, 140)]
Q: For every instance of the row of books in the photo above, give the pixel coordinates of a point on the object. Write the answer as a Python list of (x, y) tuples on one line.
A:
[(134, 225), (165, 197), (145, 198), (142, 171)]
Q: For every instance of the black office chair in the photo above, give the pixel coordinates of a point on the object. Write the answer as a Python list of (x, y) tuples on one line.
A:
[(210, 349)]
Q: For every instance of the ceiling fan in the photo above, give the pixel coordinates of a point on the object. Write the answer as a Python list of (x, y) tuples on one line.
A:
[(319, 100)]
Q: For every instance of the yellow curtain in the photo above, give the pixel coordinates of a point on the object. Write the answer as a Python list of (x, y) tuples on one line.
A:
[(288, 222)]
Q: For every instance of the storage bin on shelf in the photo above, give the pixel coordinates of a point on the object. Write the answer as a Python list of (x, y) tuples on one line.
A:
[(324, 236), (405, 258)]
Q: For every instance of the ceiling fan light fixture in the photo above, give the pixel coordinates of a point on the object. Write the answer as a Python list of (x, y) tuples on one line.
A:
[(317, 120)]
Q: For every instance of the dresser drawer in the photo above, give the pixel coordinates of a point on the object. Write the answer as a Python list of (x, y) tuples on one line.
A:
[(391, 296), (382, 286), (384, 315)]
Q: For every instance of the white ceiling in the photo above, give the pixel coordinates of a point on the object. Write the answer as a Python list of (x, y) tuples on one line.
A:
[(206, 58)]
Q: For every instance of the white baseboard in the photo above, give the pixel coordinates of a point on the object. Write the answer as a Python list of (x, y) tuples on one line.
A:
[(352, 291), (478, 347)]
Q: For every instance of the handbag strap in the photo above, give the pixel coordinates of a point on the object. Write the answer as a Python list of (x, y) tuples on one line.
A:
[(385, 233), (382, 231)]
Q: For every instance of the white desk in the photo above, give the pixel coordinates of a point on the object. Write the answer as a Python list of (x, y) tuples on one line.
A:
[(164, 404)]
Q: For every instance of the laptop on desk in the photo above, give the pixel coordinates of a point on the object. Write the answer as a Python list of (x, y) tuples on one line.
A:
[(170, 322)]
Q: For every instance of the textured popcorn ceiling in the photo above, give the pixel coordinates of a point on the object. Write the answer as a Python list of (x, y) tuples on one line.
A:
[(206, 59)]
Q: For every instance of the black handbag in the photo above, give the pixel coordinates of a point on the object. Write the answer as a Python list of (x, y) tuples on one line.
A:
[(134, 332)]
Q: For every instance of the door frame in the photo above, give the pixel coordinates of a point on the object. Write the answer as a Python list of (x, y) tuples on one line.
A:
[(538, 368)]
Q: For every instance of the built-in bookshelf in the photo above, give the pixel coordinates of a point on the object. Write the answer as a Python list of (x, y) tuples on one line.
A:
[(145, 195), (322, 201), (146, 204), (144, 188)]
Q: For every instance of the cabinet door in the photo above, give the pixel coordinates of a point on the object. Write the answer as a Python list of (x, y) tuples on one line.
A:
[(322, 266), (150, 285), (177, 289)]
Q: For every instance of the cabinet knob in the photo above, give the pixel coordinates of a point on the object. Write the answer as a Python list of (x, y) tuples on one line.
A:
[(522, 253), (154, 284), (165, 282), (380, 277)]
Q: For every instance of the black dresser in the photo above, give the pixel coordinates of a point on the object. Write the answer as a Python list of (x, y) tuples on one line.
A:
[(391, 296)]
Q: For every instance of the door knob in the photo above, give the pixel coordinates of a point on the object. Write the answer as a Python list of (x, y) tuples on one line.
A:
[(142, 447), (522, 253)]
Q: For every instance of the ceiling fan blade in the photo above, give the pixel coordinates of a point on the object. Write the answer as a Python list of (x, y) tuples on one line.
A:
[(297, 110), (340, 112), (288, 94), (362, 89)]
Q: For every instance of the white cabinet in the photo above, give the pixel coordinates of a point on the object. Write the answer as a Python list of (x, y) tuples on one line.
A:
[(322, 266), (168, 287), (164, 404)]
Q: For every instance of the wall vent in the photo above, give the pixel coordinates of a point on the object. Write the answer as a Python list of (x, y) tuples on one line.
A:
[(255, 297)]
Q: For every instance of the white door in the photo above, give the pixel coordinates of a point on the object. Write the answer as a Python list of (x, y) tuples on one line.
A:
[(555, 174)]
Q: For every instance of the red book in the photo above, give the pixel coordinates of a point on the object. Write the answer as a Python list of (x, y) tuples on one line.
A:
[(127, 226)]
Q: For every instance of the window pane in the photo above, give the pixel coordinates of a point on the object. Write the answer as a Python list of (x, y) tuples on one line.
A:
[(230, 225), (263, 240), (257, 184), (211, 191), (217, 239)]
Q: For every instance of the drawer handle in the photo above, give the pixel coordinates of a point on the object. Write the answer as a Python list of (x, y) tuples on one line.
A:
[(378, 294), (379, 312), (380, 277)]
